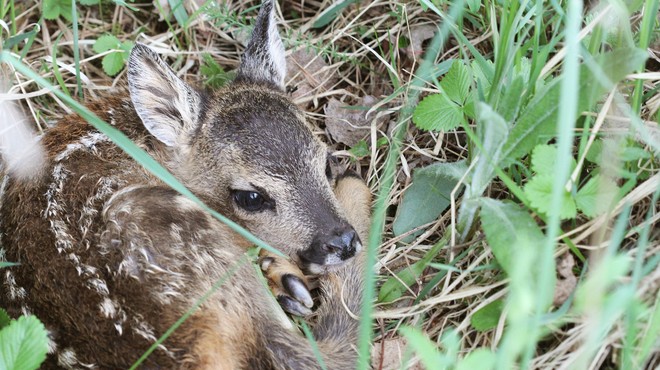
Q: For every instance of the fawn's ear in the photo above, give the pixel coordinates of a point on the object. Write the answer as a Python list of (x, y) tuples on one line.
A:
[(167, 106), (264, 60)]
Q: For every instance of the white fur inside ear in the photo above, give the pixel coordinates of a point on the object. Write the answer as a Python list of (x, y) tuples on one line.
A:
[(276, 48), (167, 106)]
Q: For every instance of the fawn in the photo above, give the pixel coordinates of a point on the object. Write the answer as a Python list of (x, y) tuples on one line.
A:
[(109, 257)]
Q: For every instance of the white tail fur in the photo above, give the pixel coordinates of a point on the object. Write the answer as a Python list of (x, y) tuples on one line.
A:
[(22, 152)]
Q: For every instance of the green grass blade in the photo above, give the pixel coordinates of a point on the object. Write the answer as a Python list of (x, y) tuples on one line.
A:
[(645, 33), (76, 49), (566, 117)]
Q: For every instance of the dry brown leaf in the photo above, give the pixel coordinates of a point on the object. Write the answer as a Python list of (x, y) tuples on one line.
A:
[(418, 35), (388, 355), (566, 281), (309, 73), (349, 124)]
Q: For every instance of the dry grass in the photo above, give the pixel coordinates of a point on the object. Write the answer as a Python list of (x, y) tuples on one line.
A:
[(353, 57)]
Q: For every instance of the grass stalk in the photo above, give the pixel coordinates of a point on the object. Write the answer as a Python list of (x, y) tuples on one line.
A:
[(645, 32), (76, 48), (565, 125)]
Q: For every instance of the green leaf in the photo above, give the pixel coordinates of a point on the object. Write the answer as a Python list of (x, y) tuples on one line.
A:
[(7, 264), (456, 83), (544, 158), (593, 154), (511, 102), (488, 316), (474, 5), (480, 358), (23, 344), (428, 196), (507, 228), (214, 75), (113, 63), (126, 47), (436, 112), (329, 14), (493, 131), (16, 39), (539, 192), (89, 2), (538, 121), (55, 8), (179, 11), (634, 153), (483, 73), (105, 43), (596, 196), (4, 318), (361, 149)]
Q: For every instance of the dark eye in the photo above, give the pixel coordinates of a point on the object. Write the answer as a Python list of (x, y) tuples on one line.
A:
[(250, 201)]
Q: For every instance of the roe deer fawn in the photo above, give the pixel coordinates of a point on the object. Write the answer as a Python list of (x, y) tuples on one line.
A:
[(109, 257)]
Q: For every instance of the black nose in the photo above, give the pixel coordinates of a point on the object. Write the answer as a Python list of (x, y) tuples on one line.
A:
[(343, 243)]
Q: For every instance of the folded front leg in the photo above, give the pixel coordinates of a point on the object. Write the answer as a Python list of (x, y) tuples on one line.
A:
[(288, 283)]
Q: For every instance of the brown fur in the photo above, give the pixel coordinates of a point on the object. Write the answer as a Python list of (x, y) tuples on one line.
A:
[(110, 257)]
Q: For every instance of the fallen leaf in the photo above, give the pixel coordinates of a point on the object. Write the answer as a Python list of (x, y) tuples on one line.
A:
[(566, 281), (419, 34), (309, 74), (349, 124), (389, 355)]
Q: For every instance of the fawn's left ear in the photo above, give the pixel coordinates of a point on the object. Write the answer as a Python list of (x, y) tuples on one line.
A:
[(264, 60)]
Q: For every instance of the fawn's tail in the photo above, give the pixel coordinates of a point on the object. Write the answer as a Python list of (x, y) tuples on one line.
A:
[(23, 155)]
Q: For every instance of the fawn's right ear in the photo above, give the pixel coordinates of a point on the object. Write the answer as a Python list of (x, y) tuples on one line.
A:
[(168, 107)]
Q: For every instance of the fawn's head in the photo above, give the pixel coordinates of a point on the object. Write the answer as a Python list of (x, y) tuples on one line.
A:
[(246, 149)]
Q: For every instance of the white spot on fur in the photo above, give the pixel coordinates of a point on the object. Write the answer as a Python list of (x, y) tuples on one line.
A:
[(105, 188), (52, 346), (109, 308), (25, 310), (88, 142), (14, 291), (99, 285), (3, 187), (146, 331), (69, 360), (22, 152)]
